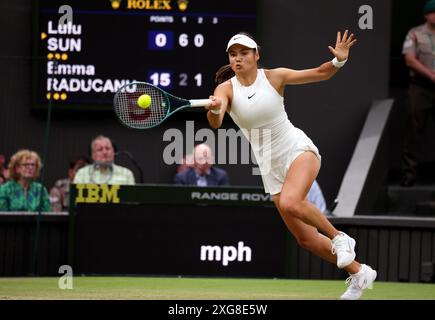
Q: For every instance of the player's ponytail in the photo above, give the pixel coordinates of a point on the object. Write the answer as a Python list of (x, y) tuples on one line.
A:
[(223, 74)]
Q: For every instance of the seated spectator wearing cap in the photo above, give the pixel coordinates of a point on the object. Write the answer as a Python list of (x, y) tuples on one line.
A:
[(203, 172), (22, 192)]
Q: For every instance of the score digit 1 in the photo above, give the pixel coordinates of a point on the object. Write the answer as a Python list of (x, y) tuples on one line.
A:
[(183, 81), (198, 79)]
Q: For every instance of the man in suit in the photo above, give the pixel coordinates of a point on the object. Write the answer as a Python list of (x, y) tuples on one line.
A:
[(203, 173)]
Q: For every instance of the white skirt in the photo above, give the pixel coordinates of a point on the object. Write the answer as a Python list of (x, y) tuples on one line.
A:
[(273, 173)]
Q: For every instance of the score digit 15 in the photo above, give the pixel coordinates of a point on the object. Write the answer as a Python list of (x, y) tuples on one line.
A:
[(160, 79), (164, 79)]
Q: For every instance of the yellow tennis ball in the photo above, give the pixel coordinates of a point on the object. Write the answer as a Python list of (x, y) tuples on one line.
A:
[(144, 101)]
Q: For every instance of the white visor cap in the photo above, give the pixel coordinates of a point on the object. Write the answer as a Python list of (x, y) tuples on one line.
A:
[(242, 40)]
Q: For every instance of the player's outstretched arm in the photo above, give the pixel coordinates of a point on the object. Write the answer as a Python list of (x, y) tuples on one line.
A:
[(326, 70)]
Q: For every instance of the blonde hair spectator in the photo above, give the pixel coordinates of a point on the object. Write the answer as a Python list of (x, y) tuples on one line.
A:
[(22, 192), (18, 158)]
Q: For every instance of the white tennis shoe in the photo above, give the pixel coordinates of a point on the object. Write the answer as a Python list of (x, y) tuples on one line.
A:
[(344, 247), (358, 282)]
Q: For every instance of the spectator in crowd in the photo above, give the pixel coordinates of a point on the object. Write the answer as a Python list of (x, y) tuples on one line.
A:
[(59, 193), (3, 171), (419, 52), (186, 162), (22, 192), (203, 173), (315, 196), (103, 170)]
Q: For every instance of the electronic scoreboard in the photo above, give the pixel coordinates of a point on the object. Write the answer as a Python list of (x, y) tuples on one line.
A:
[(177, 45)]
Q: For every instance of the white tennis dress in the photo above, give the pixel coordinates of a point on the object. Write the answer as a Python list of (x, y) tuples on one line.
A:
[(259, 112)]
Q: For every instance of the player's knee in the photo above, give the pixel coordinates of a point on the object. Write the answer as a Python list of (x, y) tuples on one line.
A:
[(305, 242), (291, 207)]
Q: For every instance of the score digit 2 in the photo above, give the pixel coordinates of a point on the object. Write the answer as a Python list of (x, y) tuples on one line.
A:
[(184, 80)]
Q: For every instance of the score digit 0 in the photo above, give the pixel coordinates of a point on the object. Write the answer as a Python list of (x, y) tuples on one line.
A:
[(198, 40), (160, 40)]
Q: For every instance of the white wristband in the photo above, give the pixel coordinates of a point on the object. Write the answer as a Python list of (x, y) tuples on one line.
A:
[(215, 111), (338, 64)]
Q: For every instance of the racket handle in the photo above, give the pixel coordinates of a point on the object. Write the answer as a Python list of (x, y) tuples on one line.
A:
[(199, 102)]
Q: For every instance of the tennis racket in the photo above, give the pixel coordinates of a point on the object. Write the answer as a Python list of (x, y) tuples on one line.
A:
[(163, 105)]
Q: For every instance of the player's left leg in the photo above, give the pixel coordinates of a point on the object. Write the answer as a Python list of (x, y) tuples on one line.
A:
[(361, 276), (292, 202), (309, 238)]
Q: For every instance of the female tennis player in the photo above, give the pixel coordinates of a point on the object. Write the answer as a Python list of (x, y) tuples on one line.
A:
[(253, 97)]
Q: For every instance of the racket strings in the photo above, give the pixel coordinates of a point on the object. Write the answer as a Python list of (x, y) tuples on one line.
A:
[(136, 117)]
